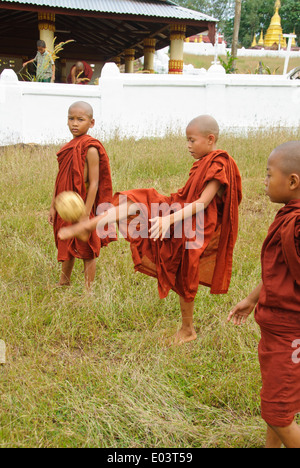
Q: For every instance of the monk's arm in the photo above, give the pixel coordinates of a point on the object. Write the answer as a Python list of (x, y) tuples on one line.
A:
[(243, 309), (29, 61), (207, 196), (52, 210), (160, 225), (73, 77), (93, 178)]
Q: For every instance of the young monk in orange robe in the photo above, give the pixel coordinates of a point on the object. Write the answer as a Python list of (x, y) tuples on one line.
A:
[(278, 302), (181, 262), (83, 168)]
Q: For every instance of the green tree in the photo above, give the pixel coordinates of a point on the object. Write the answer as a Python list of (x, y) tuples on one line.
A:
[(256, 16), (290, 16), (219, 9)]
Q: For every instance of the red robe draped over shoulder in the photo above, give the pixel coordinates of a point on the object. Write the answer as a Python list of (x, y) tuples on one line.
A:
[(278, 315), (87, 73), (71, 160), (175, 265)]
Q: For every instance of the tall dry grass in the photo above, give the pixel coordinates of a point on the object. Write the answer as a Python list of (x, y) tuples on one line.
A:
[(89, 370)]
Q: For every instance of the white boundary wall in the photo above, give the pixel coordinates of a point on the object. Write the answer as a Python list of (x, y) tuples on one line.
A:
[(141, 105), (202, 48)]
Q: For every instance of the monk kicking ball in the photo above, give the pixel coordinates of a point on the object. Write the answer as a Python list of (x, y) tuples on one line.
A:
[(70, 206), (205, 210)]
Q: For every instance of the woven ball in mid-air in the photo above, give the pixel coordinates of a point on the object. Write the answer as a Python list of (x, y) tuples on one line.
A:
[(70, 206)]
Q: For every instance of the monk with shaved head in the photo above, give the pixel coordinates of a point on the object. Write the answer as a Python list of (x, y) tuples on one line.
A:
[(207, 124), (187, 238), (81, 73), (83, 168), (277, 301)]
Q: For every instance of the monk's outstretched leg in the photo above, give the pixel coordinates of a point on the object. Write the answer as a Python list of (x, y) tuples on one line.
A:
[(80, 230), (187, 331), (83, 229)]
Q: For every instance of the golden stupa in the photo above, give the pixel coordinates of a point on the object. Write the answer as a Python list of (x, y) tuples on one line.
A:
[(254, 42), (261, 39), (274, 33), (294, 44)]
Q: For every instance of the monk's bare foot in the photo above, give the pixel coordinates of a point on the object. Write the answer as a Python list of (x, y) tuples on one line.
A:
[(183, 336), (62, 285), (76, 230)]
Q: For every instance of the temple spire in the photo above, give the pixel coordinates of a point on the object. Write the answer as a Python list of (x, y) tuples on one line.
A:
[(254, 42), (261, 39), (274, 33)]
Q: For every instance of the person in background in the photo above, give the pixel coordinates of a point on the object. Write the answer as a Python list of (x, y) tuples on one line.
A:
[(81, 73), (45, 66)]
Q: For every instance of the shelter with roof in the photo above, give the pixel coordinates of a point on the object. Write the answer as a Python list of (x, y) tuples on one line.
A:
[(102, 30)]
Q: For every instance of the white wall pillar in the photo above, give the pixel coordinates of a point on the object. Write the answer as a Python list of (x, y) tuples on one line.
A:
[(111, 88), (11, 103)]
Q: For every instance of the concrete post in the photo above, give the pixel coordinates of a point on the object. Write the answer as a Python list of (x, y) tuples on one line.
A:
[(129, 60), (149, 51), (47, 29), (177, 38)]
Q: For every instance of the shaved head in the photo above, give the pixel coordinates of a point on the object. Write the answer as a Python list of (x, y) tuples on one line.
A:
[(206, 125), (85, 106), (287, 157)]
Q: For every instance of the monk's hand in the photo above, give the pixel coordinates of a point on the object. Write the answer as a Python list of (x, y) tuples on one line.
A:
[(51, 216), (241, 312), (159, 227)]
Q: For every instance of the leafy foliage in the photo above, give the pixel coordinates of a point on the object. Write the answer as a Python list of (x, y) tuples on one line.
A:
[(229, 65), (256, 16), (290, 16), (220, 9)]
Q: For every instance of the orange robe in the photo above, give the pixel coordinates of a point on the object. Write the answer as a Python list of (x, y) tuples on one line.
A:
[(71, 159), (278, 315), (175, 266)]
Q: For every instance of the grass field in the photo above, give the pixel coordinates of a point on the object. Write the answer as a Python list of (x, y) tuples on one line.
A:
[(245, 64), (90, 370)]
